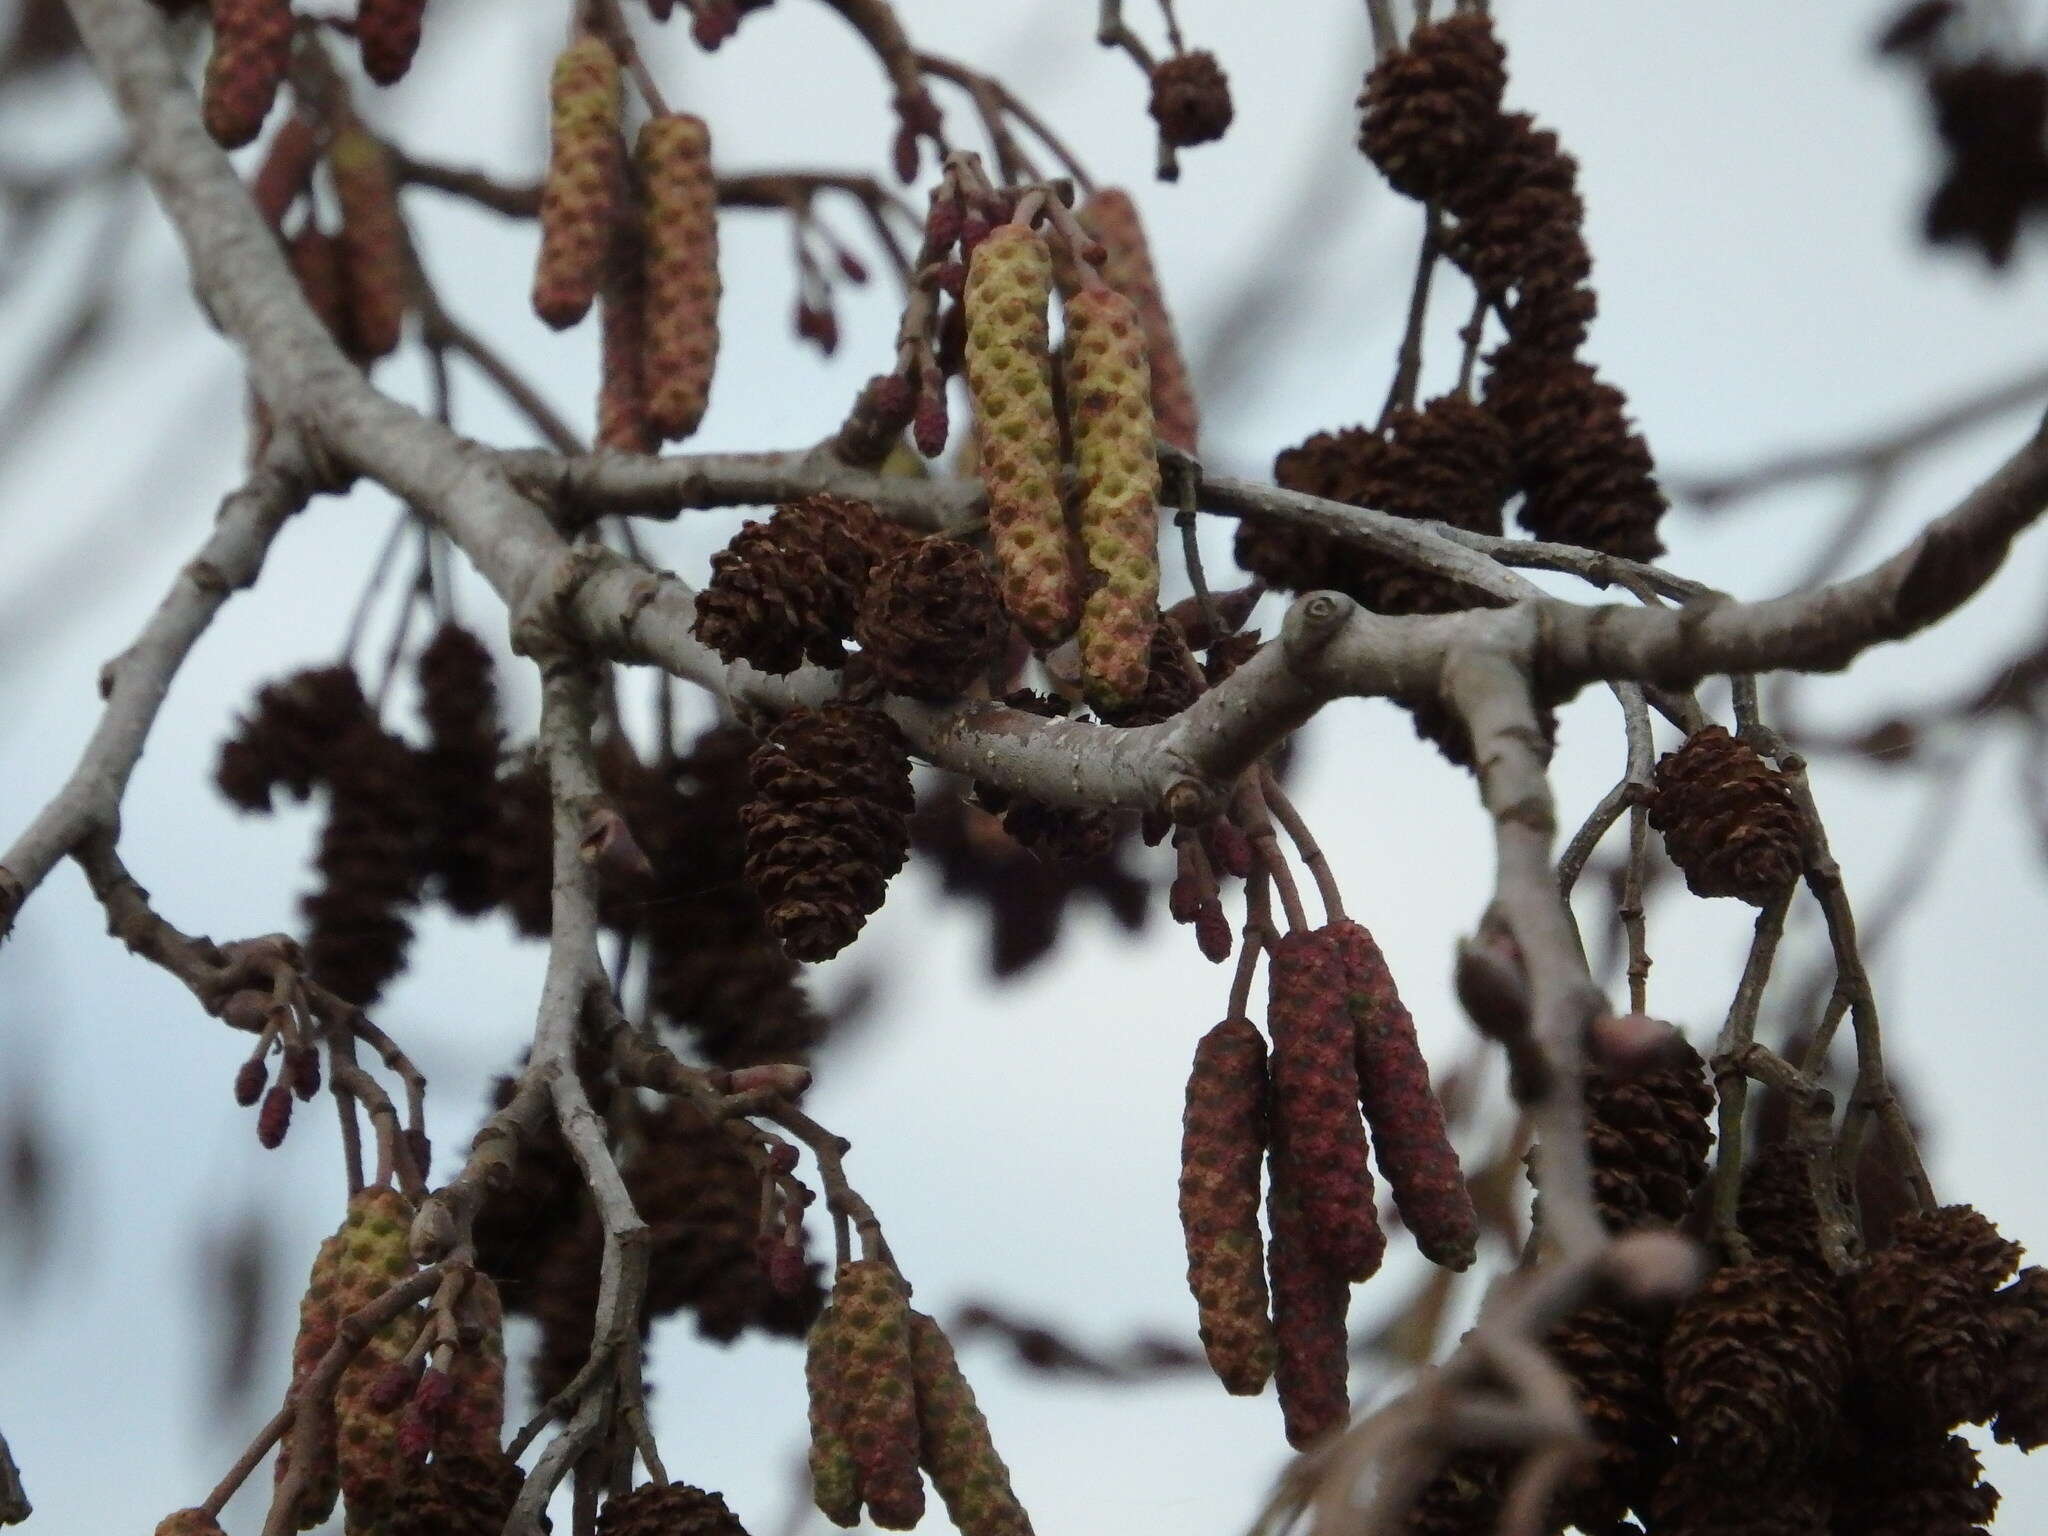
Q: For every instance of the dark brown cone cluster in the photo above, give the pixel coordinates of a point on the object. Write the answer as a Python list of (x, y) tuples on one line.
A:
[(1056, 834), (1027, 867), (1755, 1366), (368, 861), (1463, 1499), (1430, 112), (1431, 119), (1728, 818), (1776, 1210), (931, 620), (465, 1494), (291, 736), (1648, 1136), (1924, 1312), (1913, 1484), (828, 824), (670, 1509), (1190, 99), (1992, 116), (1173, 681), (1611, 1360), (1586, 475), (2021, 1318), (458, 771), (789, 590), (1693, 1499)]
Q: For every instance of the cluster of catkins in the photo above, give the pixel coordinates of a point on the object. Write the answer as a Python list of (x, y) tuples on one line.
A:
[(888, 1399), (1344, 1071), (252, 52), (1545, 426)]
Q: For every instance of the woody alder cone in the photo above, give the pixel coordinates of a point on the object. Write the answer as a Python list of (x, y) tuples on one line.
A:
[(672, 1509), (2021, 1317), (1697, 1500), (932, 620), (463, 1494), (1755, 1365), (1610, 1357), (1914, 1484), (1728, 818), (828, 824), (1648, 1137), (1190, 99), (1430, 111), (789, 590)]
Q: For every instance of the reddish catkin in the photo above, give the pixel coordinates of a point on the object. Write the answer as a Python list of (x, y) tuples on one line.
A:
[(1112, 218), (1410, 1141), (319, 1321), (374, 269), (1223, 1147), (388, 32), (287, 168), (1316, 1121), (580, 193), (1109, 405), (252, 49), (622, 372), (681, 233), (316, 262), (1017, 437), (1312, 1359)]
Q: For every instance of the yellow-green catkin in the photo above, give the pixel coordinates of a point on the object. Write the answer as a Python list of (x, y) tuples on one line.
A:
[(1017, 435), (680, 233), (873, 1381), (375, 1256), (373, 259), (580, 194), (956, 1447), (835, 1476), (319, 1324), (1111, 217), (1109, 407)]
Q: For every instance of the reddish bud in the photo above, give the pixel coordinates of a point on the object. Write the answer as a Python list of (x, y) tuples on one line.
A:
[(275, 1118), (249, 1080), (974, 229), (394, 1384), (928, 424), (436, 1391), (905, 154), (941, 224), (422, 1150), (661, 10), (1184, 898), (716, 20), (852, 267), (782, 1159), (415, 1434), (953, 277), (778, 1077), (952, 347), (782, 1264), (302, 1069), (1212, 931), (1229, 849)]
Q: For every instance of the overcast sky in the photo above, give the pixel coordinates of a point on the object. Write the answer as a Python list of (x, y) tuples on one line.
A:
[(1753, 180)]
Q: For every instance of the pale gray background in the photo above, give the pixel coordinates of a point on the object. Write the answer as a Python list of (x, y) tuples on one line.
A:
[(1753, 179)]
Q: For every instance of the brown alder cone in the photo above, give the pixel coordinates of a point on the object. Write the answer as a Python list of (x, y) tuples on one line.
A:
[(580, 193), (1190, 99), (1410, 1141), (1008, 363), (1316, 1120), (2020, 1314), (458, 771), (1223, 1147), (369, 862), (828, 824), (1776, 1210), (1693, 1499), (1728, 818), (373, 245), (789, 590), (458, 1494), (1610, 1358), (1648, 1136), (955, 1445), (290, 738), (622, 422), (1520, 237), (874, 1385), (835, 1475), (1112, 217), (1109, 417), (388, 32), (670, 1509), (931, 621), (252, 51), (1463, 1499), (287, 168), (1429, 112), (1925, 1317), (1912, 1483), (1990, 114), (319, 1324), (1755, 1367), (680, 229), (1311, 1298)]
